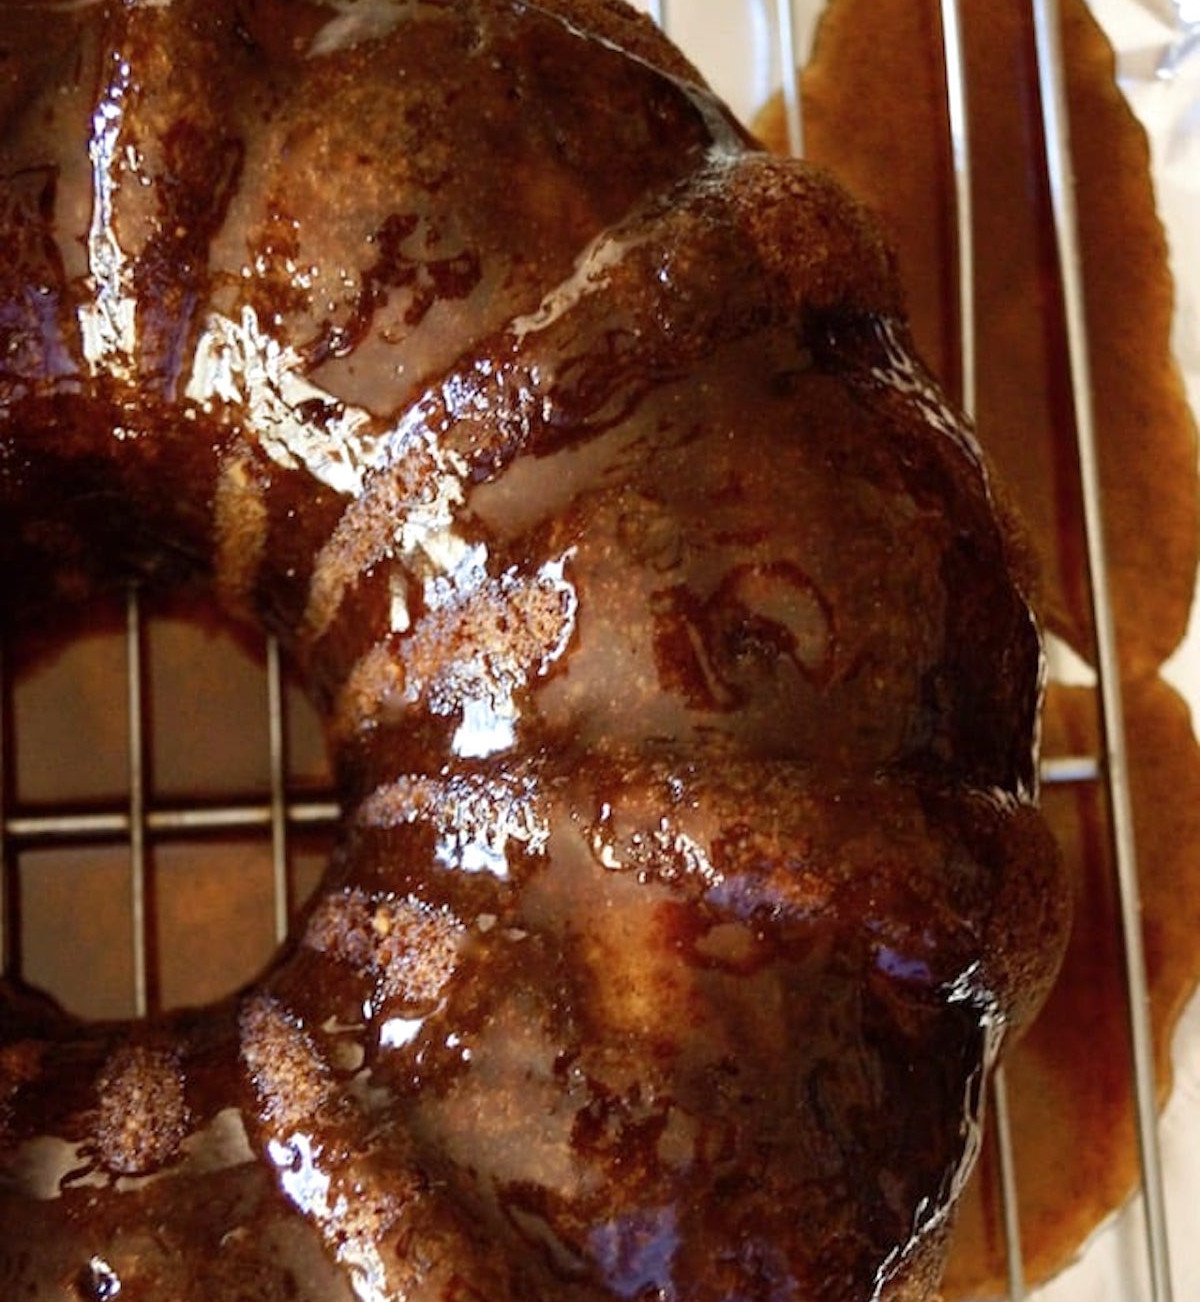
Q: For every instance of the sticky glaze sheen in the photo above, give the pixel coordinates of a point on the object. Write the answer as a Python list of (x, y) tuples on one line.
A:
[(681, 696)]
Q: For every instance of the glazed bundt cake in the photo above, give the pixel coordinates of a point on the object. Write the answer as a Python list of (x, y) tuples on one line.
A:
[(680, 689)]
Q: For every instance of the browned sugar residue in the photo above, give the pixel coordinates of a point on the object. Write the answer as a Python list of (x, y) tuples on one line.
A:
[(141, 1116), (874, 113)]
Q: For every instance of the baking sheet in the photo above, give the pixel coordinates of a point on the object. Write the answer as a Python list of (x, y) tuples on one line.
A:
[(736, 43)]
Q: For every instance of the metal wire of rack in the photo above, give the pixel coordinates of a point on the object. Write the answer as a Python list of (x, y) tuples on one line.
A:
[(141, 823), (282, 812)]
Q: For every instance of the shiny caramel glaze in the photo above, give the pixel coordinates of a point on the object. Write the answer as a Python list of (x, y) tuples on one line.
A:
[(680, 691)]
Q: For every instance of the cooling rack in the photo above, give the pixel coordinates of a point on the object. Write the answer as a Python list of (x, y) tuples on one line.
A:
[(758, 44)]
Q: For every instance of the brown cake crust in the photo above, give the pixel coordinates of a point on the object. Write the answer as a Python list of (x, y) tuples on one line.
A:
[(680, 693)]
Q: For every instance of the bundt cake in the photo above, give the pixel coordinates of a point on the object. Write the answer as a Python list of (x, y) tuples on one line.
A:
[(680, 688)]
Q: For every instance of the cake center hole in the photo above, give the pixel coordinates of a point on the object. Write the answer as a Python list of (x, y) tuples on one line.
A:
[(154, 867)]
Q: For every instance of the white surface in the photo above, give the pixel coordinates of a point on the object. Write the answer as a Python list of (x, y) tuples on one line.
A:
[(735, 43)]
